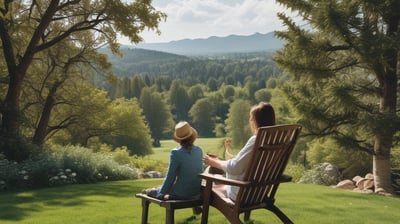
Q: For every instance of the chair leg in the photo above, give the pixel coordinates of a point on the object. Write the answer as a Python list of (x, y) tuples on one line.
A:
[(145, 210), (206, 202), (280, 214), (169, 215), (247, 215)]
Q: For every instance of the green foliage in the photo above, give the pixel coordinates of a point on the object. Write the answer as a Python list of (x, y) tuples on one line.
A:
[(237, 124), (158, 114), (19, 148), (202, 117), (129, 125), (296, 171), (328, 150), (146, 164), (395, 158), (345, 74), (318, 175), (262, 95), (61, 166)]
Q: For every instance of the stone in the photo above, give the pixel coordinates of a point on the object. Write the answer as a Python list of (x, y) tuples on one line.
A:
[(360, 183), (368, 184), (346, 184), (369, 176), (152, 174), (357, 178)]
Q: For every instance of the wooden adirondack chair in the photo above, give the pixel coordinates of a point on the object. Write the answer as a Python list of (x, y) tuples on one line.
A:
[(272, 150)]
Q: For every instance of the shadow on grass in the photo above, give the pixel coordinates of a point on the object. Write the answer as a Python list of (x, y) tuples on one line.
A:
[(16, 206)]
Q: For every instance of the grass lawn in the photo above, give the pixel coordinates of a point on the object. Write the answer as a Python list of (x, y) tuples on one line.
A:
[(214, 145), (114, 203)]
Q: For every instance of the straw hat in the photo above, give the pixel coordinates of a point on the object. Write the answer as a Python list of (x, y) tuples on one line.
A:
[(183, 130)]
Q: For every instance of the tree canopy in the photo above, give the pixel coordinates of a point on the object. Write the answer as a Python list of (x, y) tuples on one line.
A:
[(31, 29), (345, 62)]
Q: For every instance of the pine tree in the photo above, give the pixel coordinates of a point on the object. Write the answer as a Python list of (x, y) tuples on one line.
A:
[(344, 62)]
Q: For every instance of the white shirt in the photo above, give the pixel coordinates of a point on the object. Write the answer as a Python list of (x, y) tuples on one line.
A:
[(236, 167)]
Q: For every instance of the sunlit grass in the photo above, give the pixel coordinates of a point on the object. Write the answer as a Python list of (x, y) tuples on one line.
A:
[(114, 203), (162, 153)]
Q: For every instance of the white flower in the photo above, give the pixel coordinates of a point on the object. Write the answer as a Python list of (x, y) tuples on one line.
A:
[(26, 177), (63, 177), (68, 170), (73, 174)]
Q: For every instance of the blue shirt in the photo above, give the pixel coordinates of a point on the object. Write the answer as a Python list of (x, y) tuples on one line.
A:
[(182, 180)]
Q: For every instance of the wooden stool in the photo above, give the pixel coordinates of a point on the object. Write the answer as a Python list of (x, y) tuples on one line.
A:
[(169, 205)]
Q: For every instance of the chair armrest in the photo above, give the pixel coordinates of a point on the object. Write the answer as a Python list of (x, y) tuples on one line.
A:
[(224, 180)]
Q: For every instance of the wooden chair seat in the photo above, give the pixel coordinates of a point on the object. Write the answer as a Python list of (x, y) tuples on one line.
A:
[(271, 152), (169, 205)]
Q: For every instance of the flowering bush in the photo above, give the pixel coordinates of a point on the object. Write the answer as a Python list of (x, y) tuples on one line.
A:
[(322, 174), (60, 166)]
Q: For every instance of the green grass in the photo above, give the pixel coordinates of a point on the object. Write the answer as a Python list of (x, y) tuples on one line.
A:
[(114, 203), (162, 153)]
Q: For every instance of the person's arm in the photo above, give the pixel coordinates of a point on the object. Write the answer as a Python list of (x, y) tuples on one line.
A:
[(171, 175), (238, 164), (215, 162)]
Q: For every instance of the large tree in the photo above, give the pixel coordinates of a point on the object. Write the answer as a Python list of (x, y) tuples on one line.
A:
[(345, 58), (158, 114), (28, 28), (237, 123)]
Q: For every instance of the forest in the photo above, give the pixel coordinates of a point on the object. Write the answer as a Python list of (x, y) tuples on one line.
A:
[(337, 77)]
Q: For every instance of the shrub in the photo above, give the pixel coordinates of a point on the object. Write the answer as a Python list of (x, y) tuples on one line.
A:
[(61, 166), (146, 165), (92, 167), (296, 171), (321, 175)]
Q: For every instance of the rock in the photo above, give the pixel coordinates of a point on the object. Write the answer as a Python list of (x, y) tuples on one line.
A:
[(369, 176), (346, 184), (357, 178), (368, 184), (360, 183), (152, 174)]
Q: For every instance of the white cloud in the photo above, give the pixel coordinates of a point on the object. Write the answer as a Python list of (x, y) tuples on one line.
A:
[(204, 18)]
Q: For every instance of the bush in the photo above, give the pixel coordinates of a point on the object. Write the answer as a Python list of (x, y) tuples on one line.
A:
[(296, 171), (321, 174), (146, 165), (61, 166)]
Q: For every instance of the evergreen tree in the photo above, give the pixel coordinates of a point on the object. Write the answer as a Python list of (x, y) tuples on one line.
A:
[(345, 64), (157, 113), (237, 123), (180, 101), (202, 115)]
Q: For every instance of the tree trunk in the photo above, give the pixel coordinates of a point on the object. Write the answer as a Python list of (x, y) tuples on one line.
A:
[(10, 118), (41, 130), (384, 139)]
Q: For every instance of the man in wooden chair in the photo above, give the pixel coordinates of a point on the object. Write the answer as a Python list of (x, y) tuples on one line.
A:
[(254, 174)]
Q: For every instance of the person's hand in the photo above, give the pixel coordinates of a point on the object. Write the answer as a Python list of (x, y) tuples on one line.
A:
[(228, 144), (210, 159)]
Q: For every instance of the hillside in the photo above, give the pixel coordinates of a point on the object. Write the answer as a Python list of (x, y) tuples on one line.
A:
[(218, 45), (136, 60), (142, 61)]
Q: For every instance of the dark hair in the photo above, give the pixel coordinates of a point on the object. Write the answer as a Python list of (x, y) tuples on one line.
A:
[(263, 114), (187, 143)]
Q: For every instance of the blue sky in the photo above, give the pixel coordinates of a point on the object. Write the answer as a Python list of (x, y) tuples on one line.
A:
[(191, 19)]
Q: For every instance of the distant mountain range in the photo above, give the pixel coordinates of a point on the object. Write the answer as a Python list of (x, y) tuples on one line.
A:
[(217, 45)]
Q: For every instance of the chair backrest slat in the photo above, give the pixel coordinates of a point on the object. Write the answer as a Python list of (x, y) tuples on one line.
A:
[(271, 152)]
